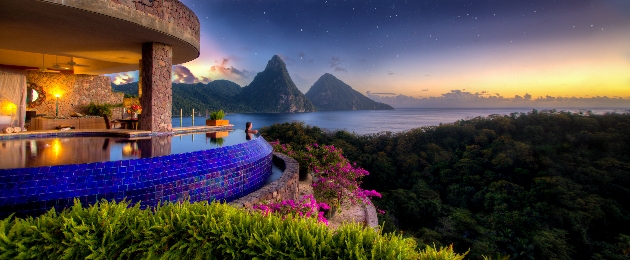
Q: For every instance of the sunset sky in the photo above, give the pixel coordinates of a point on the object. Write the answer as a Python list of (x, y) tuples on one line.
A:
[(421, 48)]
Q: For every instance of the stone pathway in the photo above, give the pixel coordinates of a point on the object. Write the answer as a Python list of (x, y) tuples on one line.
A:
[(355, 213)]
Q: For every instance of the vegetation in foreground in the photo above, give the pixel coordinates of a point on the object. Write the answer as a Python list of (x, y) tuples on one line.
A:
[(544, 185), (194, 231)]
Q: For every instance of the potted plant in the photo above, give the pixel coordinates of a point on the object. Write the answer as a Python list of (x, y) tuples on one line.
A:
[(135, 108), (216, 119)]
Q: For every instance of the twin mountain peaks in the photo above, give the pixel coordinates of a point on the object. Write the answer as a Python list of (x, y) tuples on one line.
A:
[(271, 91)]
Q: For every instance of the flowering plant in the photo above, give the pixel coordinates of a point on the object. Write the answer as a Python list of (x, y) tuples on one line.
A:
[(314, 158), (135, 107), (305, 207), (340, 184), (336, 181)]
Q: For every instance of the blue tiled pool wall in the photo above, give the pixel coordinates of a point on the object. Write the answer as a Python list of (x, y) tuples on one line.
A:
[(225, 173)]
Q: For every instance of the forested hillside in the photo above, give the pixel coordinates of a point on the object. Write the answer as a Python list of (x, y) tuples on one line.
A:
[(129, 89), (544, 185), (217, 94)]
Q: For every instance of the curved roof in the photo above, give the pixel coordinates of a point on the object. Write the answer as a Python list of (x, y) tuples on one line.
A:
[(105, 36)]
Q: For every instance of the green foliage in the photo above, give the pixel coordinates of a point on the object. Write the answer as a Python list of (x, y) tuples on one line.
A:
[(129, 89), (217, 115), (217, 94), (431, 253), (498, 256), (194, 231), (99, 109), (544, 184)]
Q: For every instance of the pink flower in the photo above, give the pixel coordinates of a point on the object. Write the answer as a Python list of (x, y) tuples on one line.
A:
[(305, 207)]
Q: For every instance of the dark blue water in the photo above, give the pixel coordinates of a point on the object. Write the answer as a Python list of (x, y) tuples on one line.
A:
[(364, 121)]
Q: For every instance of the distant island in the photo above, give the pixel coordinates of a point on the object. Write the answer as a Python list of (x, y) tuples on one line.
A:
[(271, 91)]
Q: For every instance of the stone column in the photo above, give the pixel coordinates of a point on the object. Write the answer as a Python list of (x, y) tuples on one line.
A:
[(140, 79), (157, 92)]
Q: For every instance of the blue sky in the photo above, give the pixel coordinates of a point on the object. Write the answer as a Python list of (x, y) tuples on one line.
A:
[(420, 48)]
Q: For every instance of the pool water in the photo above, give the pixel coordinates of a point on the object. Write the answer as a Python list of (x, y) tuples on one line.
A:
[(25, 153), (38, 174)]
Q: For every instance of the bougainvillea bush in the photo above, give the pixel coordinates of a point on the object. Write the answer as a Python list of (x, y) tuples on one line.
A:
[(307, 207), (336, 181)]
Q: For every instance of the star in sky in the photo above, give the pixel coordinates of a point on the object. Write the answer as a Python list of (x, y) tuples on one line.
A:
[(507, 47)]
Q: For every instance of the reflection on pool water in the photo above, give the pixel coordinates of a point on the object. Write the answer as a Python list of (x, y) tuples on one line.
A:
[(38, 174), (23, 153)]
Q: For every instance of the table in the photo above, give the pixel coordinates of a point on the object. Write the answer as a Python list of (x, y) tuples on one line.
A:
[(132, 123)]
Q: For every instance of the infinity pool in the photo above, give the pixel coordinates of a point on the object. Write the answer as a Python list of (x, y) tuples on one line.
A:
[(41, 173), (24, 153)]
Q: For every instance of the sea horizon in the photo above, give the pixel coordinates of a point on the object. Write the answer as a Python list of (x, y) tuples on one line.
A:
[(375, 121)]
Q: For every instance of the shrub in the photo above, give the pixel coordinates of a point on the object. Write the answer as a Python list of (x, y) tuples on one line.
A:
[(217, 115), (307, 207), (99, 109), (110, 230), (338, 181)]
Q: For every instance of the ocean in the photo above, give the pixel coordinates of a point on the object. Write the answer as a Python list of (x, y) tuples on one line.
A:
[(365, 121)]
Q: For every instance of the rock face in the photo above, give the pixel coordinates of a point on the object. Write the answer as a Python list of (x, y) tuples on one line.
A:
[(330, 93), (273, 91)]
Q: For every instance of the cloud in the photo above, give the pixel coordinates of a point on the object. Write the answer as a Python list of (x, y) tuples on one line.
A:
[(123, 77), (335, 62), (240, 73), (224, 69), (391, 73), (461, 99), (204, 80), (181, 74)]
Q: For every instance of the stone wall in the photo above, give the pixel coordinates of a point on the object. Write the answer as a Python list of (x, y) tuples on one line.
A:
[(284, 188), (168, 16), (77, 91), (171, 11), (157, 92)]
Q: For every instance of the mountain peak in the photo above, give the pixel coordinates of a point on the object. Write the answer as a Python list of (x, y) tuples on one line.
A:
[(330, 93), (276, 63), (328, 75), (272, 90)]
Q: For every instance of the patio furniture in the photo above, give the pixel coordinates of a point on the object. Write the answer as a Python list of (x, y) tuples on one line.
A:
[(132, 123), (111, 124), (41, 123)]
